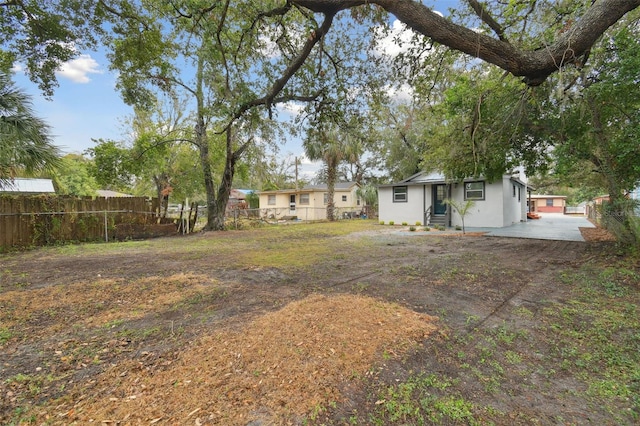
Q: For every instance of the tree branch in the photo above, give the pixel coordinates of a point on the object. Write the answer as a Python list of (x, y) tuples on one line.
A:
[(487, 19), (534, 66), (268, 99)]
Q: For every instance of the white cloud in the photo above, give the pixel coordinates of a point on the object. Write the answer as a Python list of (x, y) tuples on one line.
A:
[(269, 47), (396, 41), (304, 160), (17, 68), (78, 70), (402, 94), (291, 107)]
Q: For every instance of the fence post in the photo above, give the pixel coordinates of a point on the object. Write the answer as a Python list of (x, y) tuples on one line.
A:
[(106, 231)]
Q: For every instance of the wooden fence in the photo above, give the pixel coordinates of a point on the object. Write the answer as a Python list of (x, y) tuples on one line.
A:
[(43, 220)]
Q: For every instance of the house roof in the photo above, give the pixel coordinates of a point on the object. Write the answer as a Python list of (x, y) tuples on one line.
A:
[(422, 178), (27, 186), (547, 196), (107, 193), (339, 187)]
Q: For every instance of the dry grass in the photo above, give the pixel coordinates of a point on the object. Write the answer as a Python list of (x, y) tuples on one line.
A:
[(281, 365), (96, 303), (596, 234)]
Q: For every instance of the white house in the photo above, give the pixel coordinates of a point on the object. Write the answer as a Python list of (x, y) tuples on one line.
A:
[(420, 198)]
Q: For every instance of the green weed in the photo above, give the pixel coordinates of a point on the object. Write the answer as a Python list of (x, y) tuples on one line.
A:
[(423, 399), (5, 335)]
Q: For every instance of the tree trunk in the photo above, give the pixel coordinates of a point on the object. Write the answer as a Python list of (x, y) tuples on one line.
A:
[(332, 167), (161, 182), (203, 148), (218, 211), (220, 205)]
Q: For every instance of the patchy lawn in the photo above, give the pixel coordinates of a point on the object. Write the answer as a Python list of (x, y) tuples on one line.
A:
[(343, 323)]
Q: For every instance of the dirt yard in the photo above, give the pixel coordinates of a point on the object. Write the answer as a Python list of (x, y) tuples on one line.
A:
[(346, 323)]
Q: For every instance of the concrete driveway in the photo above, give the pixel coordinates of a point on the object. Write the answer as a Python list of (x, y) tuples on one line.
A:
[(550, 226)]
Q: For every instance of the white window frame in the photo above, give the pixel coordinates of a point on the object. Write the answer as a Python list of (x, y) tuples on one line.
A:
[(472, 192), (400, 194)]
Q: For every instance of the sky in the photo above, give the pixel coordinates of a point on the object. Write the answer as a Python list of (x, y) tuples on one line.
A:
[(87, 106)]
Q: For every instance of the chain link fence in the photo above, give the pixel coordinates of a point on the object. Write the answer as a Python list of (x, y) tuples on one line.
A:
[(621, 219)]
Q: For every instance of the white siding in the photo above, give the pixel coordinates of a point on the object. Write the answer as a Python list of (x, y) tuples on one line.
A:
[(411, 211), (513, 211), (498, 209), (485, 213)]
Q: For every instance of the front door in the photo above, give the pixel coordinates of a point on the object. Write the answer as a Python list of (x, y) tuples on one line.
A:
[(292, 204), (439, 195)]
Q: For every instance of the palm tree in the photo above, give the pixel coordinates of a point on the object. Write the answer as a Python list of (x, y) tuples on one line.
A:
[(25, 142), (463, 209), (369, 194), (328, 145)]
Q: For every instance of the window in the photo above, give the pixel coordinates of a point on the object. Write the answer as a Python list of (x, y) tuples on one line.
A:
[(271, 200), (304, 199), (549, 202), (519, 193), (474, 191), (514, 190), (325, 198), (344, 198), (399, 194)]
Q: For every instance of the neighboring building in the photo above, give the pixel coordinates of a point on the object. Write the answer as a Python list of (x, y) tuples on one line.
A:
[(632, 195), (420, 198), (238, 199), (27, 186), (548, 203), (310, 202), (635, 195), (107, 193)]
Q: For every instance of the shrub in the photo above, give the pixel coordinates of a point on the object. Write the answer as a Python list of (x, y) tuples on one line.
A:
[(391, 222), (426, 228), (458, 228), (418, 223), (382, 222), (404, 223), (412, 228)]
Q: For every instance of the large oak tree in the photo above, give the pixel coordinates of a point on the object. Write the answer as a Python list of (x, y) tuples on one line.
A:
[(580, 24), (226, 40)]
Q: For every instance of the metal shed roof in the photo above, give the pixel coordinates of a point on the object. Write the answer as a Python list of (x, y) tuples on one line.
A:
[(27, 186)]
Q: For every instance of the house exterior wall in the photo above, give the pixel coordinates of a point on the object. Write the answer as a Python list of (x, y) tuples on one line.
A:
[(540, 204), (282, 200), (500, 207), (515, 200), (411, 211), (315, 209), (485, 213)]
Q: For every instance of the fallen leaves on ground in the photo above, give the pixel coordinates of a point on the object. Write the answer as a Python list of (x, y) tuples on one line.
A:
[(596, 234), (278, 367)]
